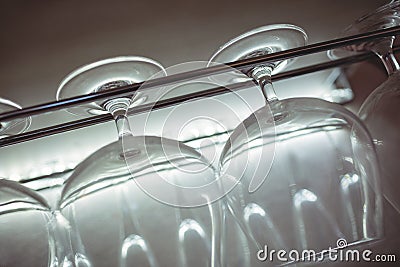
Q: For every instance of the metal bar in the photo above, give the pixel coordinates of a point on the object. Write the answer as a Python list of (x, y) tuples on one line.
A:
[(69, 126), (240, 65), (73, 125)]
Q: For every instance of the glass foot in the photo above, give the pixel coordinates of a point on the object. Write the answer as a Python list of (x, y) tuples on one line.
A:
[(262, 41), (108, 74), (16, 126)]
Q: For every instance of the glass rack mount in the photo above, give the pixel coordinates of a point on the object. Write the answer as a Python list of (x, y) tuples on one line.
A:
[(241, 65)]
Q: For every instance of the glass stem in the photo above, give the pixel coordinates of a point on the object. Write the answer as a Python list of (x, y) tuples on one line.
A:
[(262, 75), (123, 126), (118, 108), (384, 51)]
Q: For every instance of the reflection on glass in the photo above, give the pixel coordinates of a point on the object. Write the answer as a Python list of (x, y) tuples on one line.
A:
[(135, 250)]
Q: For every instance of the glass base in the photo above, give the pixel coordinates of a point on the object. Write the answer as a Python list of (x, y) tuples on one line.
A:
[(15, 126), (108, 74), (262, 41)]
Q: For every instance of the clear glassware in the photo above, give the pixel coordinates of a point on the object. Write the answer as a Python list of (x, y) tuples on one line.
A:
[(207, 130), (31, 233), (119, 221), (28, 224), (380, 110), (8, 128), (306, 169)]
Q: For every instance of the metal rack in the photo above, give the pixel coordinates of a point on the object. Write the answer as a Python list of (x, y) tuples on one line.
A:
[(241, 65)]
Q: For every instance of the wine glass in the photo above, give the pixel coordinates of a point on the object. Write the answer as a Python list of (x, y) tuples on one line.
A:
[(45, 239), (379, 110), (15, 126), (121, 222), (31, 233), (306, 169)]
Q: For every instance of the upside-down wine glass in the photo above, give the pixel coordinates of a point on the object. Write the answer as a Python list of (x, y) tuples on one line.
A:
[(126, 199), (380, 110), (306, 180)]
